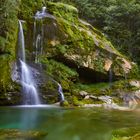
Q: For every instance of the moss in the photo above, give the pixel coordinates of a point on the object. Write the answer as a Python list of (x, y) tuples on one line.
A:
[(17, 134), (126, 134), (8, 39), (94, 89), (76, 102), (62, 10), (60, 72), (136, 137), (28, 9), (134, 73), (64, 103)]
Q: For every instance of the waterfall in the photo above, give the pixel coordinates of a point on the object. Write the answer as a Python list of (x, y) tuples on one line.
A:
[(60, 90), (27, 81), (38, 36)]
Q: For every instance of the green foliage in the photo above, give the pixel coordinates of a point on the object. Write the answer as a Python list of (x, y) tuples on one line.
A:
[(96, 89), (118, 19), (8, 38), (60, 73), (135, 72), (8, 26), (28, 8)]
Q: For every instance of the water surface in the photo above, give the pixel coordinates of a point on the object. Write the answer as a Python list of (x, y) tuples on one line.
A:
[(68, 124)]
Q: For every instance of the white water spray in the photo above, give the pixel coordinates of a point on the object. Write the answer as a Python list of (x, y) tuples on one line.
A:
[(27, 80)]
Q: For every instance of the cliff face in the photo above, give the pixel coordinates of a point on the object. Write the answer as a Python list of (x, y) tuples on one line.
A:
[(8, 38), (80, 46), (74, 51)]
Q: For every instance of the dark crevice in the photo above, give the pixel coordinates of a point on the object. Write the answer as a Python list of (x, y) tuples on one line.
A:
[(86, 75)]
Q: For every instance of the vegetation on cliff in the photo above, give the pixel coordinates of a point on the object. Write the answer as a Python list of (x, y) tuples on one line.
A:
[(76, 53)]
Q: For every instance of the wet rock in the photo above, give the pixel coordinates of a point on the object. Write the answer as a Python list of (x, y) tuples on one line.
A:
[(106, 99)]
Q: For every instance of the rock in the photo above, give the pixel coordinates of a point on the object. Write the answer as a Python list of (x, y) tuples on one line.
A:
[(87, 97), (15, 134), (83, 93), (79, 45), (93, 97), (129, 133), (135, 83), (92, 105), (137, 94), (136, 137), (106, 99), (131, 98), (64, 103), (115, 106), (108, 64)]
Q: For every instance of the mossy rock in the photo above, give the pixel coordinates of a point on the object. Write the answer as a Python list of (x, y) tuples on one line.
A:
[(126, 134), (15, 134)]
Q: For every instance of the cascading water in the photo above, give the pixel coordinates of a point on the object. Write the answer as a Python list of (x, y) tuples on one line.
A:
[(60, 90), (27, 81), (38, 40)]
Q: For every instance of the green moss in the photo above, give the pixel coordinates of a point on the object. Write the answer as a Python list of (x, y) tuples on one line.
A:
[(28, 9), (64, 103), (59, 70), (62, 10), (134, 73), (76, 102), (95, 89), (126, 134)]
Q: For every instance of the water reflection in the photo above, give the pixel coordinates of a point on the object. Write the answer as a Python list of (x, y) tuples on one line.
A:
[(29, 118)]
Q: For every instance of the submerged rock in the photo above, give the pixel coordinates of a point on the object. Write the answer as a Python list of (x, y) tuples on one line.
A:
[(15, 134), (132, 133)]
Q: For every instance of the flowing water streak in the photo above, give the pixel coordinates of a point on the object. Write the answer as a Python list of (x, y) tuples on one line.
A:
[(38, 40), (27, 80), (38, 48), (61, 92), (21, 39)]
